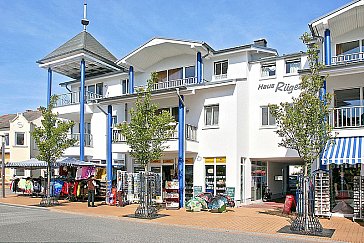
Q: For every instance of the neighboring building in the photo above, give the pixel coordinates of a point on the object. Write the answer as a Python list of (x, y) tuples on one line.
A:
[(228, 137), (20, 145), (340, 35)]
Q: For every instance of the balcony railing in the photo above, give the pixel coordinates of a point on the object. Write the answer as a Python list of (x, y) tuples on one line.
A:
[(347, 117), (76, 136), (190, 133), (74, 98), (348, 58), (174, 83)]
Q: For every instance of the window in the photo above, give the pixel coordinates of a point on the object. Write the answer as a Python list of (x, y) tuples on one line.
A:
[(347, 48), (19, 138), (212, 115), (293, 66), (114, 120), (175, 74), (268, 70), (162, 76), (125, 86), (94, 88), (91, 88), (267, 118), (190, 72), (347, 97), (87, 127), (221, 68), (6, 139), (172, 110), (19, 172)]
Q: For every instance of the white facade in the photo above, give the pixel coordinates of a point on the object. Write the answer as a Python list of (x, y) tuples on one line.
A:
[(243, 138)]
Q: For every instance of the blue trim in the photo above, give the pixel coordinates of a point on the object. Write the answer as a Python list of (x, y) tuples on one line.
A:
[(49, 91), (327, 43), (322, 96), (82, 111), (131, 80), (181, 150), (109, 149), (199, 68)]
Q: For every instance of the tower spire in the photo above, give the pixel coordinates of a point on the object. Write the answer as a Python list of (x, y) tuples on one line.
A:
[(84, 21)]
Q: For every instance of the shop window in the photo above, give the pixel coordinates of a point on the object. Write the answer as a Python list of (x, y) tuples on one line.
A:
[(19, 172), (212, 115), (267, 118), (220, 68), (188, 182), (293, 66), (268, 70), (19, 138), (215, 175)]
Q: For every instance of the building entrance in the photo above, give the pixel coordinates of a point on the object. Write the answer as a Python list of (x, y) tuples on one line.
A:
[(259, 180)]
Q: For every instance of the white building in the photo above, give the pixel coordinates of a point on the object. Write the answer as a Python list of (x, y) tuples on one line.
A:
[(229, 133)]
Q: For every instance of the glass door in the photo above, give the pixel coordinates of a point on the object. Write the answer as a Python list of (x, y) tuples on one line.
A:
[(259, 180)]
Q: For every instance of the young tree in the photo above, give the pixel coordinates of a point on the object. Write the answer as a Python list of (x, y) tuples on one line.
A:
[(51, 138), (303, 124), (147, 131)]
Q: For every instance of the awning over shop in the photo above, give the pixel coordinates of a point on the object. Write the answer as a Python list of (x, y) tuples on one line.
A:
[(31, 163), (346, 150)]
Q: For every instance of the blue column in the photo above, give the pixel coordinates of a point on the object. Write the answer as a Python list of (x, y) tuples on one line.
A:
[(131, 80), (199, 67), (181, 150), (322, 95), (109, 149), (49, 91), (327, 43), (82, 112)]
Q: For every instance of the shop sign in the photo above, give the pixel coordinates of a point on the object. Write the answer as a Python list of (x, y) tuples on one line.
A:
[(230, 191), (197, 190), (209, 160), (221, 160), (189, 161), (168, 161), (280, 86)]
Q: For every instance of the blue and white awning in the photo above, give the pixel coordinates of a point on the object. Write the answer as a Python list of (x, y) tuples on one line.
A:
[(347, 150)]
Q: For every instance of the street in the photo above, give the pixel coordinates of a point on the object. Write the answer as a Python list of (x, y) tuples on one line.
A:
[(26, 224)]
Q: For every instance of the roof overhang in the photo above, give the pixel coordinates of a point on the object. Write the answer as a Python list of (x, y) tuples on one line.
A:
[(340, 21), (69, 65), (158, 49)]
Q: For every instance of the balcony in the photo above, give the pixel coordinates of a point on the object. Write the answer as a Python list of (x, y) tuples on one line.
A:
[(347, 117), (174, 83), (74, 98), (190, 133), (347, 58), (76, 136)]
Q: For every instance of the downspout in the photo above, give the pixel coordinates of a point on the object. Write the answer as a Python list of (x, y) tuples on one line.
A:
[(68, 88)]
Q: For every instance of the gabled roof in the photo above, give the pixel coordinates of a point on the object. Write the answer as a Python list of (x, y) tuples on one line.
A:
[(5, 120), (84, 41), (32, 115)]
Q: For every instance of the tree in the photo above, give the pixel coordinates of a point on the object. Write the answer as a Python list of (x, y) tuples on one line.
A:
[(148, 130), (51, 138), (303, 124)]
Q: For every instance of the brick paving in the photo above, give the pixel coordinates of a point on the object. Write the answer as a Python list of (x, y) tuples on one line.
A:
[(257, 218)]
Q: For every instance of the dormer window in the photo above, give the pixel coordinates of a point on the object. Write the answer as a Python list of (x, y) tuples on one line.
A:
[(268, 70)]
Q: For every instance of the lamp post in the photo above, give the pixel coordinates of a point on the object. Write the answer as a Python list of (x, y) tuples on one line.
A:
[(3, 164)]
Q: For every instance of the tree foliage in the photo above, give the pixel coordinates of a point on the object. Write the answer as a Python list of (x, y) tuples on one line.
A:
[(51, 138), (302, 124), (148, 130)]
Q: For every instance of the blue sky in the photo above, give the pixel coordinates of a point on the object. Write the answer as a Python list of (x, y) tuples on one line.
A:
[(29, 30)]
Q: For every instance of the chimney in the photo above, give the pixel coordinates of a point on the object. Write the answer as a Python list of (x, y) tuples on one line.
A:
[(261, 42)]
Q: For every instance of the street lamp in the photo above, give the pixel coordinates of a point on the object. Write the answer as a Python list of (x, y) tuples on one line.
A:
[(3, 164)]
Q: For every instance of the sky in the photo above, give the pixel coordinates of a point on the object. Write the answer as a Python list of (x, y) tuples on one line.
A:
[(29, 30)]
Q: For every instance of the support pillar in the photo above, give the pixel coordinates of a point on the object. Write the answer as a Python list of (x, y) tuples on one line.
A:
[(199, 67), (109, 150), (181, 150), (322, 96), (82, 111), (131, 80), (49, 90), (327, 45)]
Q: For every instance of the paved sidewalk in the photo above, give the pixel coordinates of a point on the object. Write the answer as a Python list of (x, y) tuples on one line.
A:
[(262, 218)]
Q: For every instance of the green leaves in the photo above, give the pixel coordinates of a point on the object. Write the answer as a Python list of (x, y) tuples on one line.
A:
[(51, 138), (303, 124), (147, 131)]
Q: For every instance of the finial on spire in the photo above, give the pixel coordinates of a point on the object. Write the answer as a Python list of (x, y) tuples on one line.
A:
[(85, 21)]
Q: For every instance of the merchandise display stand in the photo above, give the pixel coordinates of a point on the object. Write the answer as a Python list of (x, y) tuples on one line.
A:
[(322, 194), (172, 194), (358, 198)]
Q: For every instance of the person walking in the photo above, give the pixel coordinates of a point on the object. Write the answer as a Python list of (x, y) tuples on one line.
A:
[(91, 184)]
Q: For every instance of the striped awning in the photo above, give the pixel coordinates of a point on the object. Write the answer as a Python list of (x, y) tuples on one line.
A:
[(31, 163), (346, 150)]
